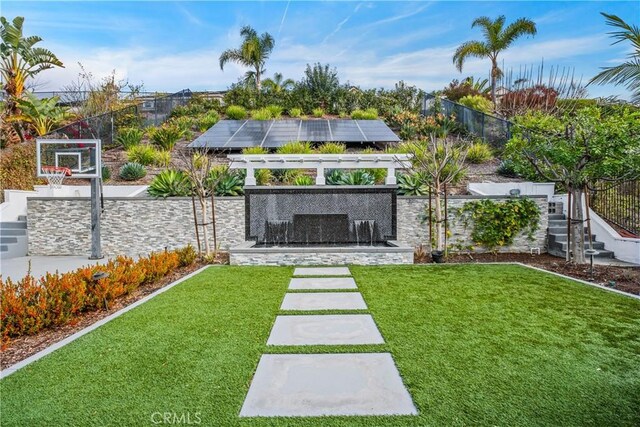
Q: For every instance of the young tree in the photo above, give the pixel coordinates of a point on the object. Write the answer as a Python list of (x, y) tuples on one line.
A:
[(322, 83), (497, 39), (253, 53), (278, 84), (576, 151), (627, 73), (440, 158)]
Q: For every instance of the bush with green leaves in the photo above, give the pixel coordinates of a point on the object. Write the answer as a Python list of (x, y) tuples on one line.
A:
[(479, 152), (207, 120), (332, 148), (254, 150), (507, 168), (162, 158), (236, 112), (356, 177), (368, 114), (295, 147), (184, 123), (129, 137), (295, 112), (412, 184), (166, 136), (476, 102), (225, 182), (318, 112), (261, 114), (303, 180), (132, 171), (106, 173), (143, 154), (275, 110), (263, 176), (378, 174), (289, 176), (334, 177), (170, 183)]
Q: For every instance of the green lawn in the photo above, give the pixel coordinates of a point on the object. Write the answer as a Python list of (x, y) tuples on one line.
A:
[(475, 344)]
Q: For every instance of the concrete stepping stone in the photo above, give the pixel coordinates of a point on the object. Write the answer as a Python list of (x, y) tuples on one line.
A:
[(322, 271), (324, 301), (322, 283), (309, 385), (324, 329)]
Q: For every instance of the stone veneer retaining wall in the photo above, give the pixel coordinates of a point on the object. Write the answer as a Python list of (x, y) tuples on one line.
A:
[(61, 226)]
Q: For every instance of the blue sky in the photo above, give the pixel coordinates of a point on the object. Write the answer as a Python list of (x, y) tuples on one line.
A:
[(169, 46)]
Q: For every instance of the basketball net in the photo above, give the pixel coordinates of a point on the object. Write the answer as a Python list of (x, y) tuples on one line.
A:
[(55, 175)]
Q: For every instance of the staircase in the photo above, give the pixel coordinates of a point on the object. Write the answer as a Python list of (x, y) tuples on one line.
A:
[(557, 235), (13, 238)]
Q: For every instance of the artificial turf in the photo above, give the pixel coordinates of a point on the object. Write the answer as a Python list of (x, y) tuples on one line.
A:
[(475, 345)]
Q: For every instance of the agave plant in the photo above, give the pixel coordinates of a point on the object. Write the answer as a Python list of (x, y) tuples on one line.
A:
[(358, 177), (132, 171), (413, 184), (170, 183), (224, 182)]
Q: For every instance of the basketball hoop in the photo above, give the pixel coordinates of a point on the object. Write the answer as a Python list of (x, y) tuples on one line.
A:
[(55, 175)]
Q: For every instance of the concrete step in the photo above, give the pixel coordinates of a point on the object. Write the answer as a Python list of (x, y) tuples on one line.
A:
[(555, 237), (555, 217), (13, 225), (7, 240), (22, 218), (599, 246), (4, 232), (561, 229)]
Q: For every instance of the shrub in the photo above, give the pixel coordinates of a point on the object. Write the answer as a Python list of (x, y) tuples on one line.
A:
[(263, 176), (236, 112), (129, 137), (29, 305), (162, 158), (343, 114), (412, 184), (206, 121), (378, 174), (368, 114), (358, 177), (261, 114), (170, 183), (477, 102), (332, 148), (254, 150), (479, 152), (18, 168), (295, 112), (225, 182), (132, 171), (295, 147), (166, 136), (303, 180), (508, 169), (106, 173), (184, 124), (335, 177), (143, 154), (318, 112), (289, 176), (275, 110)]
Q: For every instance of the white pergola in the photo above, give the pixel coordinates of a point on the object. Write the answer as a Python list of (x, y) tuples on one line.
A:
[(320, 162)]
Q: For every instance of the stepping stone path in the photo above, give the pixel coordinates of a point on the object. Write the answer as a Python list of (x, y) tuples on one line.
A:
[(308, 385)]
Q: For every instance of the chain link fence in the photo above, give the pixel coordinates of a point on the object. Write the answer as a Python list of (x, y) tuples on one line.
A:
[(493, 130), (150, 111)]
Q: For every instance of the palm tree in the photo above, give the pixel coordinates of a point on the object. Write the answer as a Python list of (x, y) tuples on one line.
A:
[(627, 73), (277, 84), (253, 53), (42, 115), (20, 60), (497, 39)]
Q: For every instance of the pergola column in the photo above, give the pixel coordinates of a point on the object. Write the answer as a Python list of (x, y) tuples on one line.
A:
[(320, 179)]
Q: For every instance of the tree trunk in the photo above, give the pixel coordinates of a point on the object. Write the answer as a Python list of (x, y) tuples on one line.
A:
[(494, 68), (439, 220), (205, 234), (576, 245), (258, 82)]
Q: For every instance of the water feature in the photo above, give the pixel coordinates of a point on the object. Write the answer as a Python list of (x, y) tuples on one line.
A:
[(365, 231), (276, 232)]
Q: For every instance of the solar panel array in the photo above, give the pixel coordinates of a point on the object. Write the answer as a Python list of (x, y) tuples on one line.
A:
[(237, 134)]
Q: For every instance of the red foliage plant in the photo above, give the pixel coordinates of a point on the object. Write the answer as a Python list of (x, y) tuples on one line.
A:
[(538, 97), (30, 305)]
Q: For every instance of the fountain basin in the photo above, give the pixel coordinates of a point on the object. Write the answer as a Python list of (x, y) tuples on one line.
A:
[(382, 253)]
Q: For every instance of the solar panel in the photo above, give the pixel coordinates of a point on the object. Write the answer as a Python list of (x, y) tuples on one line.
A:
[(236, 134)]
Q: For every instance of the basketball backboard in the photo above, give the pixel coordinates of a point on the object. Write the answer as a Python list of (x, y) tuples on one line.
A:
[(81, 158)]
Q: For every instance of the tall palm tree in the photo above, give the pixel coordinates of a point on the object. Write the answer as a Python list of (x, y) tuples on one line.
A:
[(627, 73), (278, 84), (496, 39), (252, 53), (20, 60)]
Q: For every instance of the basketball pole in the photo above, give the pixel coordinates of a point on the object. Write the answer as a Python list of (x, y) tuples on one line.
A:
[(96, 247)]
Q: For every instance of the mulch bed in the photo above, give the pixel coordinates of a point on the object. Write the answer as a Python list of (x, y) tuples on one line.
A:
[(22, 347), (626, 279)]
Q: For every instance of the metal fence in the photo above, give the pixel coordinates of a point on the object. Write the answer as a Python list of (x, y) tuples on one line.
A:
[(151, 111), (619, 204), (491, 129)]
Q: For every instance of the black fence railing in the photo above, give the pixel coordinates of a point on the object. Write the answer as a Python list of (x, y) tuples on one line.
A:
[(619, 204), (491, 129), (151, 111)]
